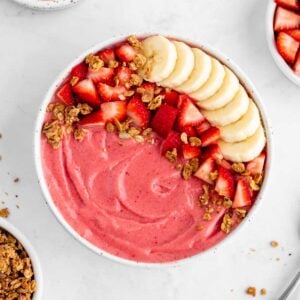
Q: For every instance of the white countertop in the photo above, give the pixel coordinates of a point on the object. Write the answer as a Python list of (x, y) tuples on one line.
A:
[(35, 46)]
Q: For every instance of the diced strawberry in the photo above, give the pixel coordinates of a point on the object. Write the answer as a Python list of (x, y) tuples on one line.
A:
[(123, 75), (110, 93), (172, 141), (104, 75), (113, 110), (242, 195), (138, 112), (205, 169), (86, 90), (210, 136), (93, 119), (203, 127), (126, 53), (291, 4), (287, 47), (256, 165), (225, 164), (149, 86), (190, 152), (294, 33), (164, 119), (80, 71), (107, 55), (286, 19), (214, 152), (296, 66), (65, 94), (189, 130), (225, 183), (188, 113), (171, 98)]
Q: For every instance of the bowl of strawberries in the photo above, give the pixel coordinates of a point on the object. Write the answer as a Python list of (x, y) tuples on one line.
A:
[(283, 36)]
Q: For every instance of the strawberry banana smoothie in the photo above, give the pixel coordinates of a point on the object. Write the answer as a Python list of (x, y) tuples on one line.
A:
[(153, 150)]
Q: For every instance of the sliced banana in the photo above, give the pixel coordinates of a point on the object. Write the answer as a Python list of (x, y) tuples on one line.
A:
[(245, 150), (183, 68), (243, 128), (230, 112), (161, 58), (200, 73), (213, 84), (224, 95)]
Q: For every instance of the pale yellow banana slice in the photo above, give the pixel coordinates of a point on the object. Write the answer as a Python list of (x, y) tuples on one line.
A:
[(243, 128), (224, 95), (161, 58), (200, 73), (213, 83), (183, 68), (245, 150), (231, 112)]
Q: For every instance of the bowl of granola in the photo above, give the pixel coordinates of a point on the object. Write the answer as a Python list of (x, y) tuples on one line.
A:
[(21, 275), (152, 149)]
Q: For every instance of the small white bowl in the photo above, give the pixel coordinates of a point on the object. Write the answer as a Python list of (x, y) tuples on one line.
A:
[(47, 4), (37, 271), (282, 65), (37, 149)]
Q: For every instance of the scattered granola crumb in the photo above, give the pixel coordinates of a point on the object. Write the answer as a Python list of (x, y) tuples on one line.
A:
[(251, 290), (187, 171), (110, 127), (94, 62), (227, 203), (213, 175), (171, 156), (17, 179), (139, 61), (79, 134), (155, 102), (254, 186), (206, 216), (179, 167), (184, 138), (134, 42), (274, 244), (194, 163), (74, 80), (113, 64), (226, 224), (263, 292), (240, 212), (238, 167), (195, 141), (4, 213)]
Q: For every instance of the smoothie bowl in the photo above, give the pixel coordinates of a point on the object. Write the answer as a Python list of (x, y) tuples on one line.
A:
[(152, 149)]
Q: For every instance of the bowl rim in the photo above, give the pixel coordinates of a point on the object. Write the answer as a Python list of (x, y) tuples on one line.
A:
[(269, 32), (38, 162), (35, 261), (46, 5)]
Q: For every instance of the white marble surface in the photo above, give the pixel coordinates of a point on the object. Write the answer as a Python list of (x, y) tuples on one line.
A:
[(35, 46)]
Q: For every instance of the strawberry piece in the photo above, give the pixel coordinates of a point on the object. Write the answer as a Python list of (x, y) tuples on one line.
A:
[(291, 4), (172, 141), (286, 19), (138, 112), (86, 90), (113, 110), (242, 195), (202, 127), (188, 113), (294, 33), (214, 152), (80, 71), (189, 130), (296, 66), (123, 75), (93, 119), (256, 165), (65, 94), (210, 136), (225, 183), (171, 98), (149, 86), (164, 119), (287, 47), (107, 55), (190, 152), (125, 53), (104, 75), (225, 164), (110, 93), (205, 169)]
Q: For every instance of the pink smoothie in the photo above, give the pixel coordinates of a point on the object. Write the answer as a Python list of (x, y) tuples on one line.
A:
[(128, 199)]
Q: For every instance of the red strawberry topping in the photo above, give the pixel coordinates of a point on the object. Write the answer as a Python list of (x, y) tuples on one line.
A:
[(126, 53), (202, 127), (172, 141), (93, 119), (294, 33), (110, 93), (171, 98), (190, 152), (205, 169), (86, 90), (107, 55), (123, 75), (291, 4), (189, 130), (138, 112), (65, 94), (80, 71), (286, 19), (113, 110), (225, 183), (214, 152), (210, 136), (296, 66), (287, 47), (242, 195), (104, 75), (256, 165)]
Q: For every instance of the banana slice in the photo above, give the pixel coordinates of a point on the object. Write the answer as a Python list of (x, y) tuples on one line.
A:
[(183, 68), (230, 112), (243, 128), (200, 73), (161, 58), (245, 150), (224, 95), (213, 83)]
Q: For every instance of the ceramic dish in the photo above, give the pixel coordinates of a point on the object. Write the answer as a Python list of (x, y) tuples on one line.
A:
[(47, 4)]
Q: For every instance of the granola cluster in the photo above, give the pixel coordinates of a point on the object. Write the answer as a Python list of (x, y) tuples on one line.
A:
[(16, 273)]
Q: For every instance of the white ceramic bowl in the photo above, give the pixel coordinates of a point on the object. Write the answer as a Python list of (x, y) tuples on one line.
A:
[(37, 138), (280, 62), (32, 254), (47, 4)]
